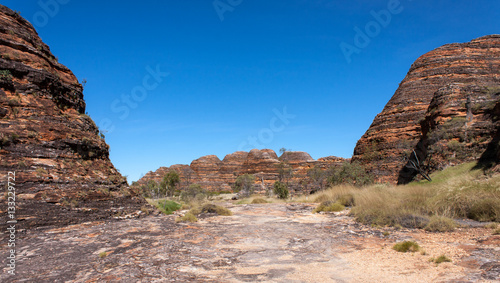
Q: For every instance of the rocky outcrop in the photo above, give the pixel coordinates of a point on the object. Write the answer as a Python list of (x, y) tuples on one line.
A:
[(426, 95), (215, 175), (458, 127), (61, 163)]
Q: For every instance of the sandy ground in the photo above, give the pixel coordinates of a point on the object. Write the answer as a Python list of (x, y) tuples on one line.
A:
[(259, 243)]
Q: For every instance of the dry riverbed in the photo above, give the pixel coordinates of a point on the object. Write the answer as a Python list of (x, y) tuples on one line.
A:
[(259, 243)]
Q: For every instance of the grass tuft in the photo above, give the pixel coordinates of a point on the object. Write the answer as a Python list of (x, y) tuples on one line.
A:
[(188, 217), (440, 224), (492, 225), (191, 215), (329, 206), (406, 246), (440, 259), (258, 201), (217, 209)]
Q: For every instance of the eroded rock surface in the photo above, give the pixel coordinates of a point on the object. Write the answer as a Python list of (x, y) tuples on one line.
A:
[(62, 169), (259, 243)]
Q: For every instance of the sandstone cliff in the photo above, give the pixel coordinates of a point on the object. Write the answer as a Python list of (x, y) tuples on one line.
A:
[(61, 164), (433, 93), (216, 175)]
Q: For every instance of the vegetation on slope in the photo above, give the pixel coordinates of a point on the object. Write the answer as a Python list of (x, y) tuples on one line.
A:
[(457, 192)]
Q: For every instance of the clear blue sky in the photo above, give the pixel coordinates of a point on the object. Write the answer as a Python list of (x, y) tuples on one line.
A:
[(231, 68)]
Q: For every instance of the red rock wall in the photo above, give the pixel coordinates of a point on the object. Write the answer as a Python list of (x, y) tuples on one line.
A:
[(397, 128), (216, 175)]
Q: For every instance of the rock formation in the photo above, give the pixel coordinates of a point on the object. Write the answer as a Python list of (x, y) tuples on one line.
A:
[(216, 175), (451, 84), (61, 163)]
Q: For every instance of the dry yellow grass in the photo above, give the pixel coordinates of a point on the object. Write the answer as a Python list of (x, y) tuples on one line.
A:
[(457, 192)]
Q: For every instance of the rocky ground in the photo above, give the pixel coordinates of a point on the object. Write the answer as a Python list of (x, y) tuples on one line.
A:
[(259, 243)]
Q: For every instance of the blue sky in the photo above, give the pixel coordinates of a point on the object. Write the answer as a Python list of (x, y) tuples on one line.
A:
[(235, 66)]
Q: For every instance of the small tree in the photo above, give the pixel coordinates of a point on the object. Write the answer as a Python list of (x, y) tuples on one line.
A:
[(193, 192), (285, 172), (153, 188), (187, 173), (316, 177), (281, 190), (283, 150), (244, 184), (349, 173), (170, 181)]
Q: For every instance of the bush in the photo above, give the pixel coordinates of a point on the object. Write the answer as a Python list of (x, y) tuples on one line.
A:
[(406, 246), (329, 206), (440, 224), (350, 173), (258, 200), (167, 206), (194, 193), (244, 185), (169, 182), (5, 75), (281, 190)]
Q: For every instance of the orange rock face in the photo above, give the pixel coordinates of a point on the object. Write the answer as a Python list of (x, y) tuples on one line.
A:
[(62, 165), (397, 130), (216, 175)]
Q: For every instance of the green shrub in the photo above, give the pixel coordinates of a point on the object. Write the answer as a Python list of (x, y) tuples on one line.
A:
[(244, 185), (103, 254), (329, 206), (349, 173), (440, 224), (258, 200), (455, 146), (406, 246), (5, 75), (281, 190), (194, 193), (167, 206), (169, 183)]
